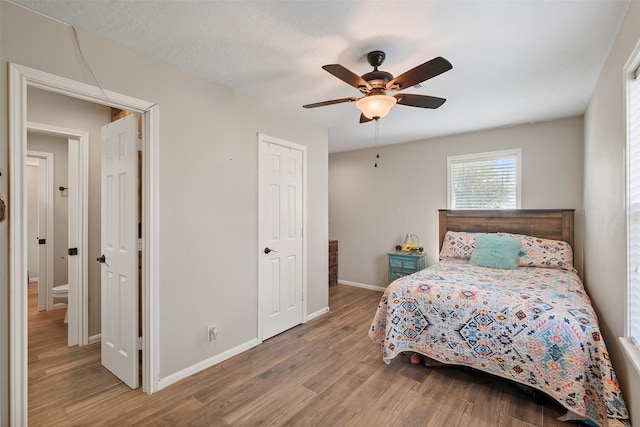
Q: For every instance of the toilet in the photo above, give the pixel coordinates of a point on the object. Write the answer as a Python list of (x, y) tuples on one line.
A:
[(62, 292)]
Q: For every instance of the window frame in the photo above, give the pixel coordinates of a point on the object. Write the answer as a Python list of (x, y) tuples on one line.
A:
[(631, 72), (489, 155)]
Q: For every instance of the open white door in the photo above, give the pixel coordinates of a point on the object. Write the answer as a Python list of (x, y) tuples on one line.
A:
[(281, 227), (74, 240), (43, 232), (119, 245), (45, 227)]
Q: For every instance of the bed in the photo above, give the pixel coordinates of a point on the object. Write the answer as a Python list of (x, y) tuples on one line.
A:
[(530, 322)]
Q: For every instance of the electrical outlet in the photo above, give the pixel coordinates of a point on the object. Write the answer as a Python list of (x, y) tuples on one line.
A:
[(212, 332)]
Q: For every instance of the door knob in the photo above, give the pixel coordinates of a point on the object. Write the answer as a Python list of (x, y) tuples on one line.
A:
[(101, 259), (267, 250)]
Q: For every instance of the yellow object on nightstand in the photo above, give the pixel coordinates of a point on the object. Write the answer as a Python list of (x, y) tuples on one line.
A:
[(409, 247)]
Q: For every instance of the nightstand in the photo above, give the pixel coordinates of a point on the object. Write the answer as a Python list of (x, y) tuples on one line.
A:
[(405, 263)]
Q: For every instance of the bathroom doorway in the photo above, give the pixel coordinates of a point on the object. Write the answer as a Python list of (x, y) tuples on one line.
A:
[(62, 224), (41, 225)]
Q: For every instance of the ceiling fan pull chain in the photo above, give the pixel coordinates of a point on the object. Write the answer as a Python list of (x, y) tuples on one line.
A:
[(377, 138)]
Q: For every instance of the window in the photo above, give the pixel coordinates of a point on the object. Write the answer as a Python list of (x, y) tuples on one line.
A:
[(484, 180), (631, 341)]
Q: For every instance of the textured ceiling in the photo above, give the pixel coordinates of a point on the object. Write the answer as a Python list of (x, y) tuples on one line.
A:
[(513, 61)]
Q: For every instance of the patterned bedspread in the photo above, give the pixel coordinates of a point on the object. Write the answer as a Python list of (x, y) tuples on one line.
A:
[(532, 325)]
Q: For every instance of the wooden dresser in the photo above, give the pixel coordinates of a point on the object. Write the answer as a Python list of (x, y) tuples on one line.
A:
[(333, 262)]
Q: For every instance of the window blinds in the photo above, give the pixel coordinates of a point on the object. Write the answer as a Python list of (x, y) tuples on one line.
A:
[(633, 207), (485, 182)]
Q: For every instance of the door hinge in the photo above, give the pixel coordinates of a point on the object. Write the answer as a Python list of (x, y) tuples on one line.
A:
[(139, 245), (139, 144)]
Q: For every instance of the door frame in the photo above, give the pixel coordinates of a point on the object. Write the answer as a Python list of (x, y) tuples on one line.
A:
[(45, 193), (21, 77), (78, 300), (263, 140)]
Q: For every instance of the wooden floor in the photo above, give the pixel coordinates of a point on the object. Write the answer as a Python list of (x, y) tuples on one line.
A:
[(324, 373)]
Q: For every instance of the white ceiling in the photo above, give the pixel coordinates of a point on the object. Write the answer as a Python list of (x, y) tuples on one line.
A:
[(513, 61)]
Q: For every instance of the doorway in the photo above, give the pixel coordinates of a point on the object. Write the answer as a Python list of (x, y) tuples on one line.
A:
[(20, 78), (75, 192)]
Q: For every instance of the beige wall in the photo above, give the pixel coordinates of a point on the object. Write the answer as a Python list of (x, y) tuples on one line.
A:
[(71, 113), (604, 203), (371, 209), (208, 243)]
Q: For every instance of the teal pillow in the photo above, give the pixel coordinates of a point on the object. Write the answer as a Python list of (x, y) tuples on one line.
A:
[(496, 251)]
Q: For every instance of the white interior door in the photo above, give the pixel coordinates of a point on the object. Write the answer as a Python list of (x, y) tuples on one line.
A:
[(281, 227), (43, 277), (119, 245), (74, 240), (45, 228)]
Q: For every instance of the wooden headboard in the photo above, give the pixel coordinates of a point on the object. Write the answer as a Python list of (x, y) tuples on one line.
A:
[(556, 224)]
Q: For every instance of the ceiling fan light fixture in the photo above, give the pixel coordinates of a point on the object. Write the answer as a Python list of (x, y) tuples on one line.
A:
[(376, 106)]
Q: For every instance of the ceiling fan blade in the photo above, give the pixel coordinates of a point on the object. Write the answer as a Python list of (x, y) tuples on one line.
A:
[(346, 76), (333, 101), (364, 119), (421, 73), (422, 101)]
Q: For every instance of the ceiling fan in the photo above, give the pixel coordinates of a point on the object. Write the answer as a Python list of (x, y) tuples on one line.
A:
[(376, 103)]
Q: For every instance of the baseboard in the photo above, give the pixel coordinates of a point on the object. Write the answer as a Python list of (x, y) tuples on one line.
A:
[(362, 285), (317, 314), (33, 279), (207, 363), (95, 338)]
